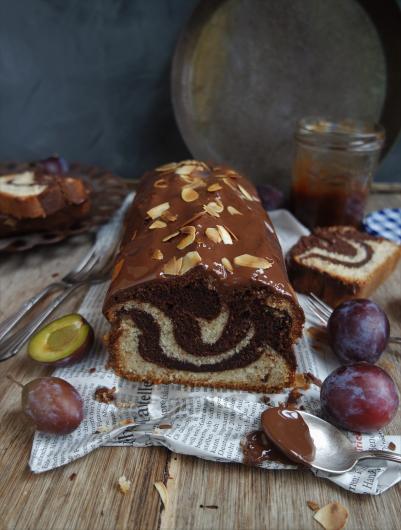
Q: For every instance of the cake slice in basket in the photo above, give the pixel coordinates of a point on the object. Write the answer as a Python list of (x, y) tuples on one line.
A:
[(31, 201)]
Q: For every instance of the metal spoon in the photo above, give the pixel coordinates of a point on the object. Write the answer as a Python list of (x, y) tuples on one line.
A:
[(334, 452)]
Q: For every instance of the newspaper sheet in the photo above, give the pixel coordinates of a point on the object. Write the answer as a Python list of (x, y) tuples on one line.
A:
[(202, 422)]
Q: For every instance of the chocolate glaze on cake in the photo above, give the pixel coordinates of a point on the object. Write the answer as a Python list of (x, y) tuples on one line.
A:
[(200, 254)]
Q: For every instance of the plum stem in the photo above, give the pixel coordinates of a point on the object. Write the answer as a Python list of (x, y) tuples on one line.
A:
[(11, 378)]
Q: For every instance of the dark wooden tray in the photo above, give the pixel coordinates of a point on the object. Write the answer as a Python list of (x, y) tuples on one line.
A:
[(107, 194)]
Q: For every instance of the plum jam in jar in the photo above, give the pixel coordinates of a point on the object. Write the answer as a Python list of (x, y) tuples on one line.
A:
[(333, 168)]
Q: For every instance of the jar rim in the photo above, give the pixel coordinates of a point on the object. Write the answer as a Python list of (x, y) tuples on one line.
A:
[(351, 134)]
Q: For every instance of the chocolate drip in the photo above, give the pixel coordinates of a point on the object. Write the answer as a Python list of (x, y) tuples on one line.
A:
[(257, 449)]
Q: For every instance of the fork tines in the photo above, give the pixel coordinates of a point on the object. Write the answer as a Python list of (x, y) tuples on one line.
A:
[(319, 308)]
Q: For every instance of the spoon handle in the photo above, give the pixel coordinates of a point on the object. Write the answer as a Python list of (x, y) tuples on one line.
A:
[(384, 455)]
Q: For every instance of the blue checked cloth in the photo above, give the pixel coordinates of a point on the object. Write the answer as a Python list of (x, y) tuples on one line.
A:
[(385, 223)]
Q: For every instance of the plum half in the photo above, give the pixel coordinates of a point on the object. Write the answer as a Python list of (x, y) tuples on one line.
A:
[(61, 342)]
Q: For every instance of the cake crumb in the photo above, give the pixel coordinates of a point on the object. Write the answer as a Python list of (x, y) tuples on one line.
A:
[(124, 485), (104, 394), (301, 381), (73, 476), (127, 422), (266, 400), (392, 446), (158, 430), (125, 404), (333, 516), (165, 426), (313, 505), (293, 397), (318, 334), (92, 370), (103, 428), (162, 491), (313, 379), (55, 274)]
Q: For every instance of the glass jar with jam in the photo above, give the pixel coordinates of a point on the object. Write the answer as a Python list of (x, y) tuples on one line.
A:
[(333, 168)]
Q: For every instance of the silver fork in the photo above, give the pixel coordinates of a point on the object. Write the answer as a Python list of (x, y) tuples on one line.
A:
[(94, 268), (323, 312), (74, 276)]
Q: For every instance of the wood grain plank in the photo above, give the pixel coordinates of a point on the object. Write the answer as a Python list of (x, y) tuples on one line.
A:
[(246, 498), (51, 500), (249, 498)]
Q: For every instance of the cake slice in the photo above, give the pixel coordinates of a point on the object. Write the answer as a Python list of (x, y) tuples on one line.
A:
[(31, 194), (31, 201), (200, 294), (339, 262)]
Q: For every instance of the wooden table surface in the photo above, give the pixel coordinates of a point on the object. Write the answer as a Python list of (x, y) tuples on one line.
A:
[(202, 495)]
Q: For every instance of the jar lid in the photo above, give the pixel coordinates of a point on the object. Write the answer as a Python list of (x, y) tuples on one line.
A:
[(347, 134)]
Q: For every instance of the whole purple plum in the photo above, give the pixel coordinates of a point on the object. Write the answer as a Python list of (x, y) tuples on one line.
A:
[(358, 330), (53, 405), (359, 397), (54, 165), (271, 197)]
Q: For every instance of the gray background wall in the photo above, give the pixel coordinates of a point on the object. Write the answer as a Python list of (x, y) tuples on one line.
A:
[(89, 79)]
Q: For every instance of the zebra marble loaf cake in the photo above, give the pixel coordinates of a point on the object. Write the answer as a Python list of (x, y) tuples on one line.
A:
[(199, 293)]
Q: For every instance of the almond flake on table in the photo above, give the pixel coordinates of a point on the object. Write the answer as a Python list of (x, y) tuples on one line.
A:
[(333, 516), (162, 491), (313, 505), (124, 485)]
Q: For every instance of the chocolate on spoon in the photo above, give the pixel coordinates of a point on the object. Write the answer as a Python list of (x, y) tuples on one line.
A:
[(309, 440), (288, 431)]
